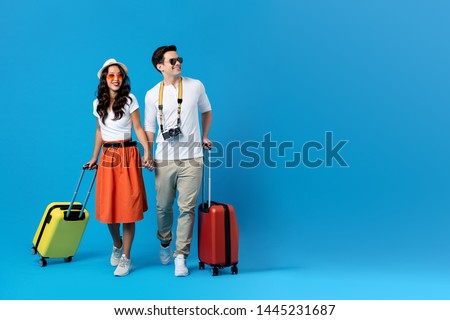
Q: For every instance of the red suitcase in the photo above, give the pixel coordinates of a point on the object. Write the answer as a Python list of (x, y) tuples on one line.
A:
[(218, 233)]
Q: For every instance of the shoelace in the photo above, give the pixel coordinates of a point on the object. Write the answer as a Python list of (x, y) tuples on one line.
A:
[(123, 262)]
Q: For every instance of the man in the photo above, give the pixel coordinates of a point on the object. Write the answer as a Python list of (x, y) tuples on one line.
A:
[(173, 105)]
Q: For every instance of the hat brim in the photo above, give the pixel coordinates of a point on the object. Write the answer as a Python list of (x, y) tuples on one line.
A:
[(124, 67)]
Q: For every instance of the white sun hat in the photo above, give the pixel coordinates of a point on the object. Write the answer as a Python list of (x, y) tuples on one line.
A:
[(111, 62)]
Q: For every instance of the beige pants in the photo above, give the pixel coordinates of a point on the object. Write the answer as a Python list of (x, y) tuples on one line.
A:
[(184, 176)]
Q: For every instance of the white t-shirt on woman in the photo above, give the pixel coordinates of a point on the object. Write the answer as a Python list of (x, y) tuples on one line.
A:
[(117, 130)]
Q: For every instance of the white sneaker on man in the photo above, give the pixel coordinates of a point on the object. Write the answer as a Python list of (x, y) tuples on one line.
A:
[(115, 255), (166, 254), (124, 267), (180, 266)]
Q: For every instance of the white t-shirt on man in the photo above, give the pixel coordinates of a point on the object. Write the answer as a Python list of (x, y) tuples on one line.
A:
[(188, 144)]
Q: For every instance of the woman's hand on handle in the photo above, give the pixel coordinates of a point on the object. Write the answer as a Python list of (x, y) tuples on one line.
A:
[(91, 165)]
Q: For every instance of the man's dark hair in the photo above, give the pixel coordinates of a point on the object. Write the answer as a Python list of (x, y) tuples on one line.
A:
[(158, 55)]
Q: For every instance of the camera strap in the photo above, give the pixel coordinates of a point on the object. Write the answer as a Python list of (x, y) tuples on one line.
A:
[(160, 103)]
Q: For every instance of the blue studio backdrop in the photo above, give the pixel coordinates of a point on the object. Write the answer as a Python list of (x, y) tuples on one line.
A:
[(331, 121)]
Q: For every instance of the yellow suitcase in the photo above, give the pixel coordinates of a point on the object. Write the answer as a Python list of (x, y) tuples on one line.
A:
[(61, 228)]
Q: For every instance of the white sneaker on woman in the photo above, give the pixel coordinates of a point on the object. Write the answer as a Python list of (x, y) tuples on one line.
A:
[(124, 267), (115, 255)]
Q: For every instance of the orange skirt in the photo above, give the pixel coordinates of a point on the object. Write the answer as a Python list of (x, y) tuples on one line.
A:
[(120, 190)]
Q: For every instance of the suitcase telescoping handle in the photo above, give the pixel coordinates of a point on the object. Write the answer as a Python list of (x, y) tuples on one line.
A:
[(208, 163), (86, 166)]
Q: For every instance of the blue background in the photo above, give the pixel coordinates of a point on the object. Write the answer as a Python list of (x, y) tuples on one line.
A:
[(375, 73)]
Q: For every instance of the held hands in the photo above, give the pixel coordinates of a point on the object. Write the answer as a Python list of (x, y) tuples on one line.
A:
[(207, 144), (148, 162)]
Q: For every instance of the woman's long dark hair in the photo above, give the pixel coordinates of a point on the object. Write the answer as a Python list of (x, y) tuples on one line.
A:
[(104, 98)]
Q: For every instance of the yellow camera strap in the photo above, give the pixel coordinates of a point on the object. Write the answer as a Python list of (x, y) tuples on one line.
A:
[(160, 102)]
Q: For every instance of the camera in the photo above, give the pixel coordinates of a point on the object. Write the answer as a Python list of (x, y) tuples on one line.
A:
[(171, 133)]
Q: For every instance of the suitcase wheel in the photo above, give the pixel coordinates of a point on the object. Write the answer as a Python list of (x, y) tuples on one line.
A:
[(215, 271), (33, 250), (201, 266), (42, 262), (68, 259), (234, 270)]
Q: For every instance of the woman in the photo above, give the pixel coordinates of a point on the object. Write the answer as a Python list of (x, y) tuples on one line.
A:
[(120, 192)]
